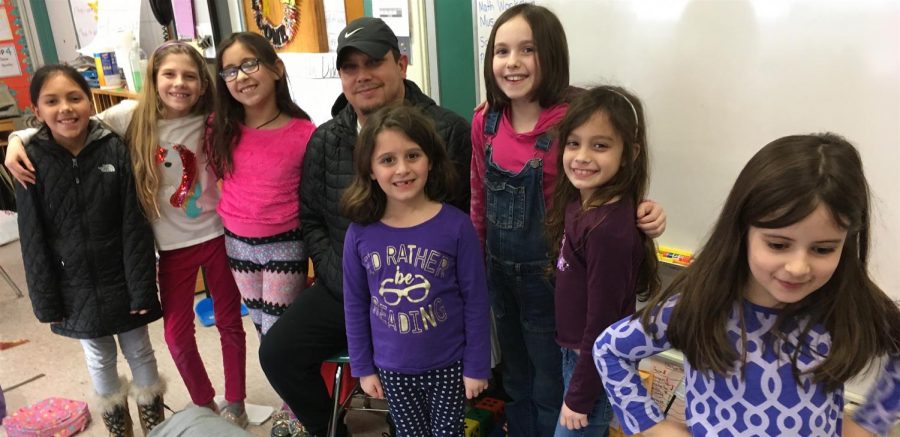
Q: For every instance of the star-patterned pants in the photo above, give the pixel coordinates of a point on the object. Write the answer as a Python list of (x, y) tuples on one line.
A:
[(430, 404)]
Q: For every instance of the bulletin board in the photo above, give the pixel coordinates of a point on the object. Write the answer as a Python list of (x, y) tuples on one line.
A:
[(15, 62)]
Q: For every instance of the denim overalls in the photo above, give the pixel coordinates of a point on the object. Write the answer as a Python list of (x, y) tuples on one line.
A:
[(521, 293)]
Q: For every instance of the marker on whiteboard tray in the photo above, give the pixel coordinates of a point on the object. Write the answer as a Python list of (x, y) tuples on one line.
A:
[(678, 393)]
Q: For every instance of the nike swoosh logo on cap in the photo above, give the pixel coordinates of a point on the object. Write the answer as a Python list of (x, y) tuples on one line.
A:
[(350, 33)]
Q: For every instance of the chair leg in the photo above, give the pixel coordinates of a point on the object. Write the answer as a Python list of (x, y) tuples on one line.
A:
[(336, 396), (11, 283)]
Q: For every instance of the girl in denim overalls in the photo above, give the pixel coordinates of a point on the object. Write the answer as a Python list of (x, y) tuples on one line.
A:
[(513, 172)]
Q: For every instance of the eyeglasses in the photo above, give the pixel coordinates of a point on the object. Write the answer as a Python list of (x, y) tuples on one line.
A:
[(414, 293), (249, 66)]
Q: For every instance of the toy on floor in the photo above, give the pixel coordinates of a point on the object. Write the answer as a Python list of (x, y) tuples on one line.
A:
[(204, 310), (495, 406)]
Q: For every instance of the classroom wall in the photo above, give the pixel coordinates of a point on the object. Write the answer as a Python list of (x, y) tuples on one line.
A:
[(454, 59), (64, 36), (314, 80)]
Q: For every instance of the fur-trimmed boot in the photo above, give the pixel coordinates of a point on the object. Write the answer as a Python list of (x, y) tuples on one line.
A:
[(116, 416), (151, 410)]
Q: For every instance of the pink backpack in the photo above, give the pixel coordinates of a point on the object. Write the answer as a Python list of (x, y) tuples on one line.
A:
[(50, 417)]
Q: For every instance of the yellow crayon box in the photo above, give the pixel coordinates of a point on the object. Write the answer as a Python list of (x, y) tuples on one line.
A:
[(675, 256)]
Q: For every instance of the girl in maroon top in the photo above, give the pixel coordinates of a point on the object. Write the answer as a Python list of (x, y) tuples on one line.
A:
[(603, 261)]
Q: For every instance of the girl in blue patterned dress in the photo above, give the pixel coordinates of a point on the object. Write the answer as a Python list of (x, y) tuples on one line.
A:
[(776, 312)]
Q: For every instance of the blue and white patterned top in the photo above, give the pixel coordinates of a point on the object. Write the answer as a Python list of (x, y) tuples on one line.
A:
[(767, 401)]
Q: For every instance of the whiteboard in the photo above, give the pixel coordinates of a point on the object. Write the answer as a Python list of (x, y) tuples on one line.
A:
[(85, 21), (722, 78)]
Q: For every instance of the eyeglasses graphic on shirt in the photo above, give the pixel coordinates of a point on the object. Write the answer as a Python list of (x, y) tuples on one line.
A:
[(413, 293), (249, 66)]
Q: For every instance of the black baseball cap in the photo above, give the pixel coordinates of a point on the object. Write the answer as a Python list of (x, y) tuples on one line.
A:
[(369, 35)]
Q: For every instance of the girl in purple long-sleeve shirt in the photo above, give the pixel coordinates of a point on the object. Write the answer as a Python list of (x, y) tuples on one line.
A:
[(603, 260), (415, 294)]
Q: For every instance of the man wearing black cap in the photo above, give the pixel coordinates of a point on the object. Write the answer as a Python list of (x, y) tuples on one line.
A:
[(373, 75)]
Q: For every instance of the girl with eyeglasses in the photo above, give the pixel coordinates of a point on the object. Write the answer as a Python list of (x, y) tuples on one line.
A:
[(415, 294), (257, 145), (165, 130)]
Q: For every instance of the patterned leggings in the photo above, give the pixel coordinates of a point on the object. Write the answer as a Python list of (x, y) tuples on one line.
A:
[(430, 404), (270, 272)]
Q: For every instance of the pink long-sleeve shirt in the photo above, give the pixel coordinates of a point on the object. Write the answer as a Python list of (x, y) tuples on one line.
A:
[(261, 196)]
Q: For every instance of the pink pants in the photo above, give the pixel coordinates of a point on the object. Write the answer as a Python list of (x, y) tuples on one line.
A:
[(177, 281)]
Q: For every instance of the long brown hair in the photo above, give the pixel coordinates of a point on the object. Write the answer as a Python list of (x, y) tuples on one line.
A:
[(551, 49), (364, 201), (226, 132), (143, 131), (626, 114), (781, 185)]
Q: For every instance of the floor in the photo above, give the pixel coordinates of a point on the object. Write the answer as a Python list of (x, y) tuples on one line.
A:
[(51, 365)]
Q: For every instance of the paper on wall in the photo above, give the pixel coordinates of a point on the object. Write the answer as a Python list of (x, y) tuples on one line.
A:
[(335, 21), (395, 14), (5, 30), (9, 61)]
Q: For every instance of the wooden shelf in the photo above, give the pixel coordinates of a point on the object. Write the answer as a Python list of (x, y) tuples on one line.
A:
[(7, 125), (104, 98)]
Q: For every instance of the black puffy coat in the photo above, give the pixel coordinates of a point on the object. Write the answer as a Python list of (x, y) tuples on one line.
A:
[(328, 171), (86, 244)]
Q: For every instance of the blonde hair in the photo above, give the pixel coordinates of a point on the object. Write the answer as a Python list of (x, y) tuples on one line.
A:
[(143, 133)]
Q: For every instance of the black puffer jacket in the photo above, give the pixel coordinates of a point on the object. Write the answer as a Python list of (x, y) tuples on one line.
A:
[(87, 247), (328, 171)]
